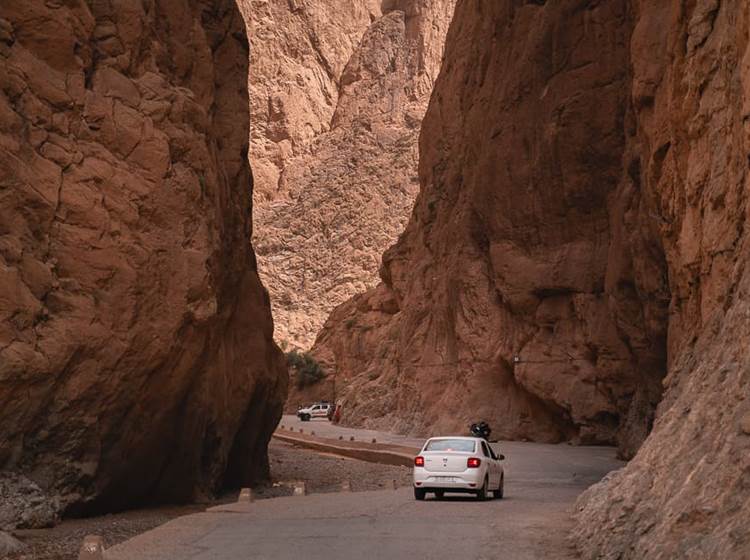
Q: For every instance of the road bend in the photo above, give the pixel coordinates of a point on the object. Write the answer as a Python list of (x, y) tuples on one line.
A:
[(531, 522)]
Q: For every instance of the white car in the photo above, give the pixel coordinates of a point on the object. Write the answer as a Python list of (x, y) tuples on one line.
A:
[(458, 464), (317, 410)]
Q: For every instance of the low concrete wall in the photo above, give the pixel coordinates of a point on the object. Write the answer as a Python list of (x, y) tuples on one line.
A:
[(373, 453)]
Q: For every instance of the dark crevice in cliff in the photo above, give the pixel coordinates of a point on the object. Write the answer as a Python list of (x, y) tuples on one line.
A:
[(247, 464)]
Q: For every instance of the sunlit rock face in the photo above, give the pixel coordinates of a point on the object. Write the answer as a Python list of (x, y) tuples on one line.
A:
[(576, 257), (338, 93), (136, 353)]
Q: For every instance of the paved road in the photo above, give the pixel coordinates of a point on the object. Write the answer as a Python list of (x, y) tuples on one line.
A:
[(529, 524), (542, 482), (525, 461)]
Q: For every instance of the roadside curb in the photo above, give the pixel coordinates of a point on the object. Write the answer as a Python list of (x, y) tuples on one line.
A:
[(364, 452)]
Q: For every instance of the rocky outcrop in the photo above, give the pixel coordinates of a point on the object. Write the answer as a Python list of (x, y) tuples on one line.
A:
[(508, 296), (298, 52), (23, 505), (9, 544), (577, 254), (687, 492), (136, 353), (339, 91)]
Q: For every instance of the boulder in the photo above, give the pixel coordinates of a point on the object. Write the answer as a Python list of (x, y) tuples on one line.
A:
[(23, 505), (9, 544)]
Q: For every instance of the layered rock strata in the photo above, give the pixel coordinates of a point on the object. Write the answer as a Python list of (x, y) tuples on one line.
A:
[(338, 97), (577, 252), (136, 353)]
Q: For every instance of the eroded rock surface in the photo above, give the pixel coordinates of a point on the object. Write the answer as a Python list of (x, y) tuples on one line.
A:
[(503, 298), (9, 544), (339, 91), (23, 504), (687, 492), (577, 254), (136, 353)]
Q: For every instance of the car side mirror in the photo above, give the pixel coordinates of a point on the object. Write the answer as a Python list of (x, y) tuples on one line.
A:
[(501, 457)]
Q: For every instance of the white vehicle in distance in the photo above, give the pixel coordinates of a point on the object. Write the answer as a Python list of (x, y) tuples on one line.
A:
[(317, 410), (458, 464)]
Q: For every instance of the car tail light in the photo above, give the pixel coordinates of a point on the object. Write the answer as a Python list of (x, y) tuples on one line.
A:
[(473, 463), (419, 461)]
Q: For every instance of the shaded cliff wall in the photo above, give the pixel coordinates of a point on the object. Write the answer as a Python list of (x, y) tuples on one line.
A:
[(687, 492), (136, 351), (339, 95), (509, 296)]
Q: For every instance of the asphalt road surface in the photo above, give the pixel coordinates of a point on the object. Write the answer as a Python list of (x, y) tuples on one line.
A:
[(531, 522), (525, 462)]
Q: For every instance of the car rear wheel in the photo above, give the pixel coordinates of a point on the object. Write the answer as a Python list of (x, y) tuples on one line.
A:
[(498, 494), (482, 492), (419, 493), (305, 417)]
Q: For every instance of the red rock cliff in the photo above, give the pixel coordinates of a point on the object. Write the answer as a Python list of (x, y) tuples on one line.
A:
[(687, 492), (509, 297), (576, 253), (136, 353)]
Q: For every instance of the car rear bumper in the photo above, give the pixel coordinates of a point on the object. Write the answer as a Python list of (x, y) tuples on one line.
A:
[(451, 489), (468, 481)]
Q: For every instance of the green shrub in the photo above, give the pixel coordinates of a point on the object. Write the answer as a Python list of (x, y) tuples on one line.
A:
[(307, 371)]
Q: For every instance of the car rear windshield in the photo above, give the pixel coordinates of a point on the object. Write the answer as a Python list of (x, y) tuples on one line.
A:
[(461, 445)]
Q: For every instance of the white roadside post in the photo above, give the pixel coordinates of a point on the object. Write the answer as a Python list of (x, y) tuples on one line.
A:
[(300, 489), (246, 496), (92, 548)]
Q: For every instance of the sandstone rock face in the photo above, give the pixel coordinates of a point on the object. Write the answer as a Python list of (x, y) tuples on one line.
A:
[(577, 254), (338, 94), (298, 52), (687, 492), (506, 298), (136, 353)]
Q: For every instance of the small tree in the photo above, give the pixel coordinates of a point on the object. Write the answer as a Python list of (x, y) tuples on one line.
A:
[(307, 370)]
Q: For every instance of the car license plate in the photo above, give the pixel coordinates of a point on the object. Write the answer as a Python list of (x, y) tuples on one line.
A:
[(445, 478)]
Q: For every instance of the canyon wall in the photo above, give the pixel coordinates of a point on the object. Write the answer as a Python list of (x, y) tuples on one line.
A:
[(136, 354), (338, 93), (576, 257), (509, 297), (687, 492)]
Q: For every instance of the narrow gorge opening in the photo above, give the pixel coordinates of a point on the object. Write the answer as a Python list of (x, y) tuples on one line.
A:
[(338, 92), (568, 267), (579, 232)]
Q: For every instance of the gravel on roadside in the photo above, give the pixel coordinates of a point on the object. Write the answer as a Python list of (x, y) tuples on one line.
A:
[(320, 472), (324, 473)]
